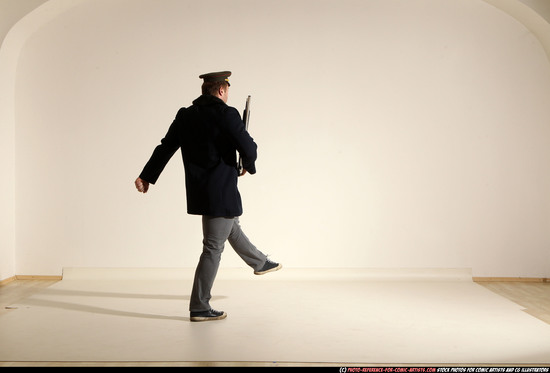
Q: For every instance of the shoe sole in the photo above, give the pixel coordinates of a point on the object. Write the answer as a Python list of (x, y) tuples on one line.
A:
[(269, 270), (213, 318)]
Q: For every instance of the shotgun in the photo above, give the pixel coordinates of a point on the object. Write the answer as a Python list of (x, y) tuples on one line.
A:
[(246, 118)]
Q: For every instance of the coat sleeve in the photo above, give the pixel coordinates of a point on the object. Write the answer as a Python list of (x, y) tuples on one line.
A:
[(163, 152), (233, 127)]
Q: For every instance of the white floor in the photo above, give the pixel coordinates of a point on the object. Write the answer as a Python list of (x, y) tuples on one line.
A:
[(294, 315)]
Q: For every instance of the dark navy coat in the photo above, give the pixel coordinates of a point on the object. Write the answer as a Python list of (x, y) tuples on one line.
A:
[(209, 134)]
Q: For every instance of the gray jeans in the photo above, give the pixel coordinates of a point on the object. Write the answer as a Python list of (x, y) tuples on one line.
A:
[(217, 230)]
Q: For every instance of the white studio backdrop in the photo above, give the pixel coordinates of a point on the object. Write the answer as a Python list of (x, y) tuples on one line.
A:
[(391, 133)]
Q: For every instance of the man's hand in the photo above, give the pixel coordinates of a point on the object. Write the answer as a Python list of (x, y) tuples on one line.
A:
[(242, 172), (142, 185)]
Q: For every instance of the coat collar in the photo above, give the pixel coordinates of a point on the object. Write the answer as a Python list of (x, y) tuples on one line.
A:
[(208, 100)]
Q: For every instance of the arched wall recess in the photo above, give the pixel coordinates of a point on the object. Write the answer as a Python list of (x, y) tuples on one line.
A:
[(529, 18), (9, 56), (29, 29)]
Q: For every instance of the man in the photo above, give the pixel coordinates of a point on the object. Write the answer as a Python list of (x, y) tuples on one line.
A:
[(209, 133)]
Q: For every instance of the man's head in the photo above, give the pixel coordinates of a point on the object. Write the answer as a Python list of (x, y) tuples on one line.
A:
[(216, 84)]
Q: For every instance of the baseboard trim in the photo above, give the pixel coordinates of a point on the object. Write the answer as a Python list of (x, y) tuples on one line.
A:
[(510, 279), (7, 280), (38, 277), (475, 279), (29, 277)]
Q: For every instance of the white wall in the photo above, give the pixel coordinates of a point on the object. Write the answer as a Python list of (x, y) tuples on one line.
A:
[(11, 11), (392, 133), (7, 186)]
